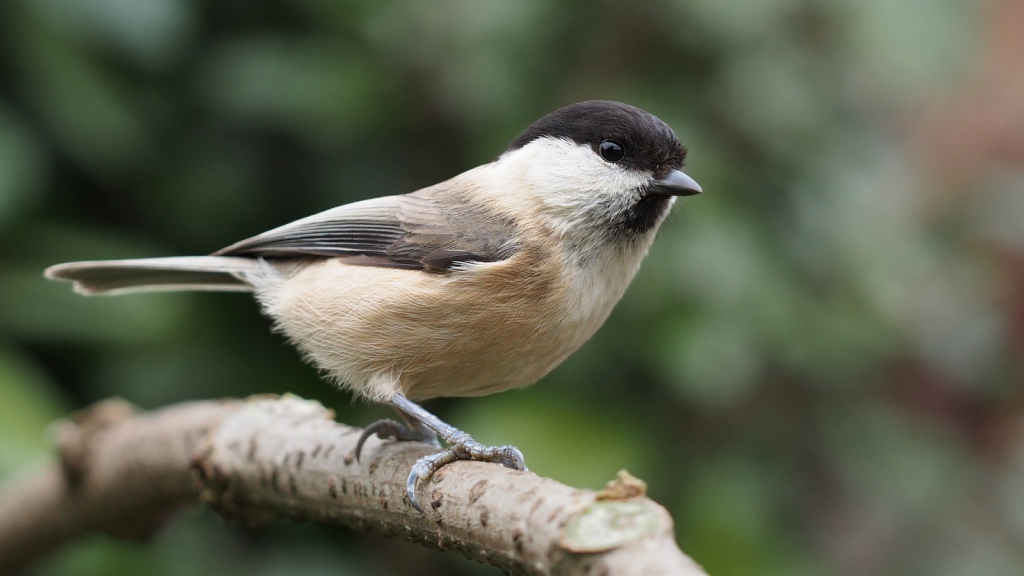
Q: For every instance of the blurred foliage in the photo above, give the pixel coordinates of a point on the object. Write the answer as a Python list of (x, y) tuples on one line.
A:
[(818, 368)]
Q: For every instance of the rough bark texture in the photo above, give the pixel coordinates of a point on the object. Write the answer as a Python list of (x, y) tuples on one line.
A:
[(263, 459)]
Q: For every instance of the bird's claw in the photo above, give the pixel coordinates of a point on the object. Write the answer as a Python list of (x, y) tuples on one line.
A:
[(390, 429), (512, 458), (462, 448), (423, 469)]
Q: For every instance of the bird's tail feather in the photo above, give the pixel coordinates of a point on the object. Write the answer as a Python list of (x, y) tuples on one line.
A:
[(182, 273)]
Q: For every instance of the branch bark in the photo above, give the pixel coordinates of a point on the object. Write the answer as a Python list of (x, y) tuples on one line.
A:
[(264, 459)]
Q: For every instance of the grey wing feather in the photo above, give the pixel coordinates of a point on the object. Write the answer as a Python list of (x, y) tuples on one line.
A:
[(433, 229), (360, 228)]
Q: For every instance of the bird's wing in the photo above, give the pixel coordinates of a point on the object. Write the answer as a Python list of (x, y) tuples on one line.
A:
[(433, 229)]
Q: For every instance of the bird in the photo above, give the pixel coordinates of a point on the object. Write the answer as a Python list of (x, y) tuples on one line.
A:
[(479, 284)]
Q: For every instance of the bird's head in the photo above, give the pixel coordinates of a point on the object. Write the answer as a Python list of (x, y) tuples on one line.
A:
[(601, 166)]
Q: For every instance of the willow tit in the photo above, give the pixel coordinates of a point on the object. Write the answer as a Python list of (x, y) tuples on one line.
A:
[(479, 284)]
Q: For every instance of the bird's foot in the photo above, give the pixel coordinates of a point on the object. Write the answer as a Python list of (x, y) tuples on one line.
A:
[(384, 429), (462, 447)]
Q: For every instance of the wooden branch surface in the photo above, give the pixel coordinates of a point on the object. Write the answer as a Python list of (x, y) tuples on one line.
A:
[(263, 459)]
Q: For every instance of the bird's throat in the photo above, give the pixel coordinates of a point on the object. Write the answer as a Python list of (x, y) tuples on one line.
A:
[(643, 216)]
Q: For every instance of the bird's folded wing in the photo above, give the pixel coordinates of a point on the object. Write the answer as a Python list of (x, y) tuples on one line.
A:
[(430, 230)]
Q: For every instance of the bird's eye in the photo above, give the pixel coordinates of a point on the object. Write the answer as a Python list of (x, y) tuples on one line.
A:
[(611, 151)]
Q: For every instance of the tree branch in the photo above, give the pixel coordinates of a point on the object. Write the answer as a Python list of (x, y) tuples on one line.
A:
[(264, 459)]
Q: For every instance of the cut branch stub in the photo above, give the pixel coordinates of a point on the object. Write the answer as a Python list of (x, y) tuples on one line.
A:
[(607, 525)]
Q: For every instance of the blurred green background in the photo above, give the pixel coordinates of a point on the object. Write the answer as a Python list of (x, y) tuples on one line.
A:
[(818, 368)]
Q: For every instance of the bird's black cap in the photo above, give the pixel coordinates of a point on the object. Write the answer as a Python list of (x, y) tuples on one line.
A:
[(649, 143)]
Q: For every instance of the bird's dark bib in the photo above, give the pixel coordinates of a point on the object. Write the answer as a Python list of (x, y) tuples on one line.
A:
[(642, 216)]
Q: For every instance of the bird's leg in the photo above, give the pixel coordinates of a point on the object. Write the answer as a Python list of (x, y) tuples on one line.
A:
[(413, 429), (460, 447)]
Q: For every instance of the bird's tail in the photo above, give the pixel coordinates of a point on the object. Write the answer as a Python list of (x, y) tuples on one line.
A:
[(184, 273)]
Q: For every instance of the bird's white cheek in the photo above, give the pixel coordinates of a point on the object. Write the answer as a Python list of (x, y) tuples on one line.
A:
[(568, 175)]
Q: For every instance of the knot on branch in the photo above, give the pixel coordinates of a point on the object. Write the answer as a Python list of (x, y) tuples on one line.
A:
[(623, 487), (74, 435)]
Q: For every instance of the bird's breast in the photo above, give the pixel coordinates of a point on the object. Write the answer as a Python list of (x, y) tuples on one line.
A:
[(481, 329)]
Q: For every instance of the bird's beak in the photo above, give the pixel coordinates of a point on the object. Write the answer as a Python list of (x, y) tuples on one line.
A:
[(676, 184)]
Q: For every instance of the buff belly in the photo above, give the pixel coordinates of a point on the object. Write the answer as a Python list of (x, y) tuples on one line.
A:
[(470, 332)]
